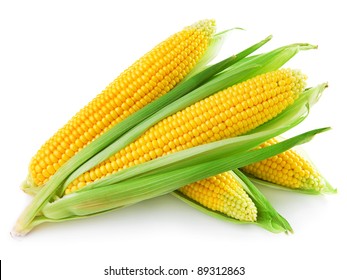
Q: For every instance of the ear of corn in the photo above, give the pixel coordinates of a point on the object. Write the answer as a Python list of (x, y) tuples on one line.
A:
[(267, 217), (231, 112), (151, 76), (222, 193), (288, 170), (212, 51)]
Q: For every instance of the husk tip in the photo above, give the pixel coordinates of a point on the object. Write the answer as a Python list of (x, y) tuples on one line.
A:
[(306, 46), (268, 38), (328, 188)]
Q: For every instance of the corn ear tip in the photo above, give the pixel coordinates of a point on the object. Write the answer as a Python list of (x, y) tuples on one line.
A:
[(208, 25)]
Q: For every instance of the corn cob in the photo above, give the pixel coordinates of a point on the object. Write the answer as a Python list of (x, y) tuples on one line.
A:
[(230, 112), (223, 193), (147, 79), (289, 169)]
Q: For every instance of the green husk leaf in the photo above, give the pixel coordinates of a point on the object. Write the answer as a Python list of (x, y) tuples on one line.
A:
[(195, 155), (268, 217), (327, 189), (157, 182), (278, 57)]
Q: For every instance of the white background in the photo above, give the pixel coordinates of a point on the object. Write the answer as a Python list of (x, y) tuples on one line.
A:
[(55, 57)]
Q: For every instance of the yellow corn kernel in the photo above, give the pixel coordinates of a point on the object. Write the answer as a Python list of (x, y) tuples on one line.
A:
[(223, 193), (289, 169), (151, 76), (280, 88)]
